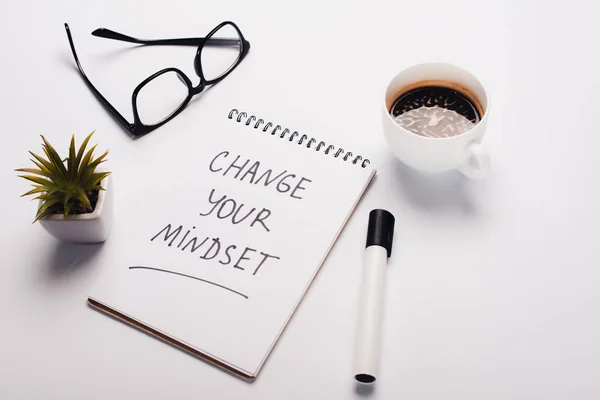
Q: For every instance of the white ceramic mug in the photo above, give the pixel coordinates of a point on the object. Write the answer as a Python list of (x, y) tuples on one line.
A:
[(438, 154)]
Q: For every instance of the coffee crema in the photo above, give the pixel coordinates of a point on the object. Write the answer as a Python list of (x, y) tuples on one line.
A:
[(435, 111)]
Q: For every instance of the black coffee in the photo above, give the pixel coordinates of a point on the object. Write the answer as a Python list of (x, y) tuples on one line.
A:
[(435, 111)]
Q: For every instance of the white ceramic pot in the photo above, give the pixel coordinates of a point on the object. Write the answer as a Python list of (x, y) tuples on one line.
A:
[(85, 228)]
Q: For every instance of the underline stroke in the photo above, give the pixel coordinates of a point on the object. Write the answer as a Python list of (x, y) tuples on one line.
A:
[(191, 277)]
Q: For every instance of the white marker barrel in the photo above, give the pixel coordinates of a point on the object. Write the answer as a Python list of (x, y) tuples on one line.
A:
[(370, 313)]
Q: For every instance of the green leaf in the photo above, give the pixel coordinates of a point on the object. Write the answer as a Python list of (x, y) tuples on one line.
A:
[(49, 204), (72, 168), (65, 201), (43, 213), (39, 165), (68, 209), (37, 179), (55, 175), (97, 177), (86, 174), (46, 197), (98, 160), (58, 166), (44, 162), (52, 193), (82, 150), (54, 158), (95, 187), (34, 171), (88, 156), (36, 189), (83, 198)]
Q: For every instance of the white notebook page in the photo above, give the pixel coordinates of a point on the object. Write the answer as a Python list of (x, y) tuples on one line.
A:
[(218, 260)]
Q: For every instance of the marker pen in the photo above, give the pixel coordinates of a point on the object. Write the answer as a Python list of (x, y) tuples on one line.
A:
[(379, 247)]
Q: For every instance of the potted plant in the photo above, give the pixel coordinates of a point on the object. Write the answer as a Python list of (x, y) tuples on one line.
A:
[(75, 197)]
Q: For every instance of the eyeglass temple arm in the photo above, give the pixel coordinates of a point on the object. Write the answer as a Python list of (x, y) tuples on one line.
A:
[(108, 34), (103, 100)]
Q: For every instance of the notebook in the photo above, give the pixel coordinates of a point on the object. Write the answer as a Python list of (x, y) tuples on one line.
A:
[(234, 240)]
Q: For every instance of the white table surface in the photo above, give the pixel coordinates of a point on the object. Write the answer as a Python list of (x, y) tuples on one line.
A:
[(494, 286)]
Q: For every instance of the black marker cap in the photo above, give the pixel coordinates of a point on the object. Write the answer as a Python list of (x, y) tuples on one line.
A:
[(381, 229)]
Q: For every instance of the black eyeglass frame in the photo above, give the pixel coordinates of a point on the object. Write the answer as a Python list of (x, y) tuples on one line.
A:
[(138, 128)]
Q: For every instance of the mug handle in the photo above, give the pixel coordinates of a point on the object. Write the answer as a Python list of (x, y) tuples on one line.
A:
[(477, 164)]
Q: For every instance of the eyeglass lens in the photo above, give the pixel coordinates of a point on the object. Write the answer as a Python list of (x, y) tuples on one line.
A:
[(161, 97), (217, 60)]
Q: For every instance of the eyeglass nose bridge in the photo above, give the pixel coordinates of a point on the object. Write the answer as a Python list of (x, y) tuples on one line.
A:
[(198, 89), (193, 90)]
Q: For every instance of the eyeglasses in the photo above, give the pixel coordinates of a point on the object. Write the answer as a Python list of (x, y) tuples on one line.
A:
[(163, 95)]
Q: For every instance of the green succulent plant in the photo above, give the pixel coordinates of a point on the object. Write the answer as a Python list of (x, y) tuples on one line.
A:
[(65, 186)]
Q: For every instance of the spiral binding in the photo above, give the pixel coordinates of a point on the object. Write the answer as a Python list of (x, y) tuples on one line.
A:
[(242, 117)]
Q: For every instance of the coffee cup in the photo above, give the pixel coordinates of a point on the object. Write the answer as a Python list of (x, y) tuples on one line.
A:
[(434, 119)]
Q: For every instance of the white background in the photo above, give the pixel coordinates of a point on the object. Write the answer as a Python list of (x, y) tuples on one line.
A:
[(493, 289)]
